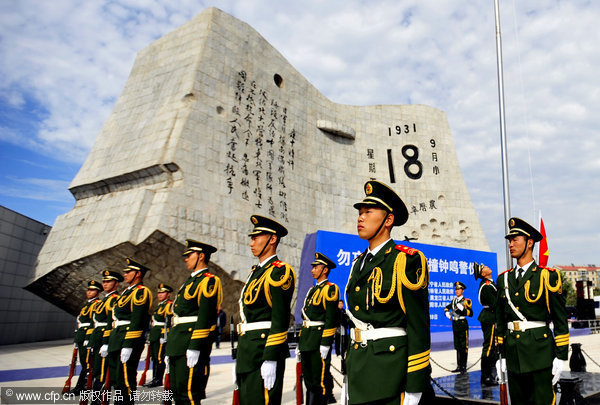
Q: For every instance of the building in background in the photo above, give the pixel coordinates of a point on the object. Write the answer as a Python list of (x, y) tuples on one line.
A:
[(25, 317), (581, 273)]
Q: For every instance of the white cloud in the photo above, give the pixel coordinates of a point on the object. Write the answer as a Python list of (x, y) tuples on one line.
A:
[(74, 57)]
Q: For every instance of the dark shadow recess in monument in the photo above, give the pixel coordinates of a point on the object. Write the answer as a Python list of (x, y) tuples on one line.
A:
[(150, 175), (65, 286)]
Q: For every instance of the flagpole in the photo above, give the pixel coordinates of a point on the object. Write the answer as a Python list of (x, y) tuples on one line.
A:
[(505, 187)]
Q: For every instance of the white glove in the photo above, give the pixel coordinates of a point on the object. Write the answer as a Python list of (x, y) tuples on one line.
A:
[(125, 354), (501, 366), (162, 340), (233, 374), (557, 367), (86, 343), (412, 398), (324, 351), (104, 350), (267, 371), (297, 352), (447, 313), (167, 364), (192, 357), (460, 307)]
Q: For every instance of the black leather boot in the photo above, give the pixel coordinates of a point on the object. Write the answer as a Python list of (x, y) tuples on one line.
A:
[(457, 369)]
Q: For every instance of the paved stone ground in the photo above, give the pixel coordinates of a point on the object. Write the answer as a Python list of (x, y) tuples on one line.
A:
[(22, 366)]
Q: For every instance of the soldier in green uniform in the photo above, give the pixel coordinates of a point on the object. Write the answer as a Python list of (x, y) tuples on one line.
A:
[(85, 327), (131, 314), (457, 311), (388, 304), (156, 337), (320, 321), (529, 298), (102, 325), (265, 318), (488, 296), (194, 320)]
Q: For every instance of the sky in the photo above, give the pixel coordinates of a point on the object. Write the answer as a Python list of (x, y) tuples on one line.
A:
[(63, 64)]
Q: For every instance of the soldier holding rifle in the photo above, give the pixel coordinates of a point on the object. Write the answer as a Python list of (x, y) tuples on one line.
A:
[(529, 299), (320, 321), (388, 304), (193, 326), (265, 318)]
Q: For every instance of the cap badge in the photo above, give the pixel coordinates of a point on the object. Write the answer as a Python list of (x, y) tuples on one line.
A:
[(254, 220), (512, 222), (368, 189)]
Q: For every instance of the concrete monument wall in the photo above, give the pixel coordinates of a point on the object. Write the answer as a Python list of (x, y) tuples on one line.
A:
[(214, 125)]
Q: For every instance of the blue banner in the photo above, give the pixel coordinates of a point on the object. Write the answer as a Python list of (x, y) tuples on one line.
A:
[(446, 266)]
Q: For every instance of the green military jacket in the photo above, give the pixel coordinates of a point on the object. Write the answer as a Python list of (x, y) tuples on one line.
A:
[(102, 316), (133, 305), (85, 325), (538, 297), (199, 297), (160, 319), (390, 291), (320, 305), (267, 296), (488, 296)]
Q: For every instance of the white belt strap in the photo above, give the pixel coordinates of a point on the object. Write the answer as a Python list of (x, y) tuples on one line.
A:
[(524, 325), (246, 327), (357, 322), (359, 335), (507, 293), (117, 323), (458, 317), (308, 324), (157, 323), (183, 319), (83, 324), (100, 324)]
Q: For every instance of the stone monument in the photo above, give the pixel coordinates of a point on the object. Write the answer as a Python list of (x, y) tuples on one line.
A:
[(214, 125)]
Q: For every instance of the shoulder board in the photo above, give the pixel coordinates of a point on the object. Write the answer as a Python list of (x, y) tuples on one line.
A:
[(207, 274), (329, 284), (278, 263), (406, 249), (140, 287), (488, 282), (504, 272), (549, 268), (169, 302)]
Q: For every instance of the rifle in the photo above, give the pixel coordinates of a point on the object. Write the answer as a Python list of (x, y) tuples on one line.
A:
[(236, 391), (502, 382), (299, 390), (67, 386), (88, 384), (106, 388), (167, 382), (143, 377)]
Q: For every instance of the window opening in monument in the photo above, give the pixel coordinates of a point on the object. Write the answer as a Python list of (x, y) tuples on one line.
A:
[(391, 166), (278, 80)]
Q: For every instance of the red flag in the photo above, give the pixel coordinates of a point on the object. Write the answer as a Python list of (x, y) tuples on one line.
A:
[(543, 250)]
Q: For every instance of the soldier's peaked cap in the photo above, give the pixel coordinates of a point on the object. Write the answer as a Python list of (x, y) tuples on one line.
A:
[(162, 287), (94, 285), (266, 225), (108, 275), (195, 246), (518, 227), (133, 265), (320, 258), (458, 284), (381, 196)]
